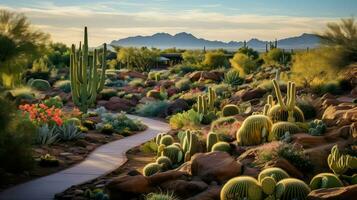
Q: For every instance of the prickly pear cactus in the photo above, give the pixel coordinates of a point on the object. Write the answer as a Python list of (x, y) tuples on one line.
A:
[(254, 130), (242, 187), (292, 188), (325, 180), (279, 129)]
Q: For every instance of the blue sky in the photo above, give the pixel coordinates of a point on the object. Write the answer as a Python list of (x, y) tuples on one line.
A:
[(212, 19)]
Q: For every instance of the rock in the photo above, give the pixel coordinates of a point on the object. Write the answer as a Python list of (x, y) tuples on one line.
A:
[(326, 103), (212, 193), (340, 193), (166, 176), (285, 165), (252, 94), (250, 171), (335, 115), (78, 192), (119, 104), (178, 105), (249, 78), (172, 90), (66, 154), (149, 83), (184, 189), (132, 74), (127, 187), (75, 158), (215, 166), (204, 75), (307, 140)]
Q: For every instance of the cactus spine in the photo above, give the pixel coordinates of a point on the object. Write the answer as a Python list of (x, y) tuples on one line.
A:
[(254, 130), (291, 188), (325, 180), (242, 187), (86, 81), (212, 138)]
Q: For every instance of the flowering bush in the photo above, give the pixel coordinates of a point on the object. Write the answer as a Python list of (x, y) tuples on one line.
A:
[(41, 114)]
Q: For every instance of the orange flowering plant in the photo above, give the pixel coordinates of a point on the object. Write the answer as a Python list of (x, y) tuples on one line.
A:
[(42, 114)]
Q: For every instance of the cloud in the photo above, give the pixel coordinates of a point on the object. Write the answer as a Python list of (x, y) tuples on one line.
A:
[(66, 23)]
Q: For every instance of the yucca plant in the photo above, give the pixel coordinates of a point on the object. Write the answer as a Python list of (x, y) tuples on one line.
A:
[(46, 135), (232, 78), (68, 132)]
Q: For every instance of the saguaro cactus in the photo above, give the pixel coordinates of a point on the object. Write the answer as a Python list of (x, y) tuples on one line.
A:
[(86, 81)]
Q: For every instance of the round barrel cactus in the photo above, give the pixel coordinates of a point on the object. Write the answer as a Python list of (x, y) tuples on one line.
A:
[(280, 128), (292, 188), (254, 130), (242, 187), (222, 146), (151, 168), (230, 110), (173, 152), (325, 180), (212, 138), (165, 162), (274, 172), (166, 140)]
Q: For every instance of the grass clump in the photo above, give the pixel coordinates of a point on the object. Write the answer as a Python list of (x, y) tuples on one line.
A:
[(152, 108)]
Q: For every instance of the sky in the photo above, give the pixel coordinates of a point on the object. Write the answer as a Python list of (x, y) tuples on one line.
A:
[(223, 20)]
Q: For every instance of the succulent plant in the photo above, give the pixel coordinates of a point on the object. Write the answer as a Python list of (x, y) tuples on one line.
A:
[(160, 196), (292, 188), (165, 162), (40, 84), (325, 180), (153, 94), (277, 173), (268, 185), (242, 187), (190, 144), (173, 152), (151, 169), (232, 78), (317, 127), (205, 106), (212, 138), (279, 129), (48, 161), (86, 81), (221, 146), (340, 163), (166, 140), (158, 138), (230, 110), (285, 111), (254, 130)]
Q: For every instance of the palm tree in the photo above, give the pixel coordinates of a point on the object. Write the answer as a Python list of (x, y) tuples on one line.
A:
[(342, 35), (19, 44)]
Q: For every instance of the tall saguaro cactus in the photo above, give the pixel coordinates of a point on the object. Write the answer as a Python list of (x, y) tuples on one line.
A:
[(86, 80)]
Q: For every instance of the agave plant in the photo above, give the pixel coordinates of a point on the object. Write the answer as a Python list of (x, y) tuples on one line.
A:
[(46, 135), (69, 131)]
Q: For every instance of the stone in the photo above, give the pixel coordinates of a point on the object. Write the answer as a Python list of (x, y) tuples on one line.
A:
[(340, 193), (119, 104), (132, 74), (204, 75), (285, 165), (127, 187), (307, 140), (178, 105), (333, 115), (212, 193), (183, 188), (250, 171), (252, 94), (215, 166)]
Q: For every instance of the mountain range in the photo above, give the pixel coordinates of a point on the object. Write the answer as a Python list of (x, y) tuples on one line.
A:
[(185, 40)]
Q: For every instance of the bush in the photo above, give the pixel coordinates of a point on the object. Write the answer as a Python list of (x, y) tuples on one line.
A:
[(68, 132), (232, 78), (53, 101), (64, 85), (153, 109), (114, 83), (46, 135), (276, 57), (306, 106), (186, 119), (18, 94), (243, 63), (40, 84), (215, 59), (331, 87), (183, 69), (295, 155), (183, 84), (108, 93)]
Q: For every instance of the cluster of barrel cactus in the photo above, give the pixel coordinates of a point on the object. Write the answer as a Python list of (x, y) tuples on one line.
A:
[(86, 80), (190, 144), (169, 149), (272, 183), (205, 106), (230, 110)]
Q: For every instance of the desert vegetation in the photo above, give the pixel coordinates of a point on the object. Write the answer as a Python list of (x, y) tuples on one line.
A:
[(277, 124)]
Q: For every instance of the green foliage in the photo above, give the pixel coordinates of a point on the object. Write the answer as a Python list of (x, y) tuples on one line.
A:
[(317, 127), (232, 78), (243, 63), (306, 106), (160, 196), (173, 152), (152, 108), (230, 110), (274, 172), (276, 57), (254, 130), (214, 60), (325, 180), (279, 129), (183, 84), (165, 162), (193, 57), (68, 132), (139, 59), (331, 87), (183, 69), (151, 169), (64, 85), (16, 136), (291, 188), (86, 81), (55, 101), (48, 161), (295, 155), (186, 119), (58, 55), (242, 187), (108, 93), (221, 146), (154, 94), (46, 135), (249, 52), (268, 185), (149, 147), (190, 144), (40, 84), (40, 65), (166, 140)]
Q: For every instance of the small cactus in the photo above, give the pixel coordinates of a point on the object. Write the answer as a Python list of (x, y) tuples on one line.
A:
[(151, 169), (165, 162), (279, 129), (154, 94), (291, 188), (317, 127), (230, 110), (221, 146), (190, 143), (212, 138), (242, 187), (268, 185), (274, 172), (166, 140), (340, 163), (254, 130), (173, 152), (325, 180)]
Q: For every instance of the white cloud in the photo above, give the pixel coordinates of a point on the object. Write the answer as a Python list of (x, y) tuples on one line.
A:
[(65, 24)]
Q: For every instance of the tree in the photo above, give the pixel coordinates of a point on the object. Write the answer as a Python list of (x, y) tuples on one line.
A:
[(276, 57), (343, 35), (243, 63), (58, 55), (249, 52), (215, 59), (138, 59), (194, 57), (19, 45)]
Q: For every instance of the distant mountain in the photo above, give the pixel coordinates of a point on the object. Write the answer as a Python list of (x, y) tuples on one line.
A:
[(188, 41)]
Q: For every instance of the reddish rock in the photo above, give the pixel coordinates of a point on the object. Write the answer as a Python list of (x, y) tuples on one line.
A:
[(285, 165), (307, 140), (212, 193), (178, 105), (127, 187), (132, 74), (119, 104), (345, 113), (340, 193), (204, 75), (183, 188), (252, 94)]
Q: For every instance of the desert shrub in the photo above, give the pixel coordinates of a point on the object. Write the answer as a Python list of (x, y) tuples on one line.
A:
[(136, 82), (46, 135), (276, 57), (64, 85), (249, 52), (114, 83), (40, 84), (183, 84), (295, 155), (243, 63), (186, 119), (20, 93), (306, 106), (54, 101), (183, 69), (222, 89), (152, 108), (331, 87), (268, 85), (149, 147), (108, 93), (215, 59), (16, 135), (232, 78), (192, 57)]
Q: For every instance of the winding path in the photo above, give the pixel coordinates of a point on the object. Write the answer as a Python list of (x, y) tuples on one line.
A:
[(103, 160)]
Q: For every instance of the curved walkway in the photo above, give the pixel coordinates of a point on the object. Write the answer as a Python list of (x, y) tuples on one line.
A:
[(101, 161)]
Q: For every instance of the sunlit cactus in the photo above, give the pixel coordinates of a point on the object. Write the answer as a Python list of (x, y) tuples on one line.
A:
[(325, 180), (151, 169), (254, 130), (242, 187), (291, 188), (279, 129), (221, 146), (212, 138)]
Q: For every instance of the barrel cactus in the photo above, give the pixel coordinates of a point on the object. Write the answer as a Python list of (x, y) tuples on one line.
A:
[(291, 188), (165, 162), (154, 94), (40, 84), (222, 146), (254, 130), (173, 152), (166, 140), (268, 185), (230, 110), (151, 169), (279, 129), (158, 138), (242, 187), (325, 180), (190, 144), (212, 138), (274, 172), (286, 111)]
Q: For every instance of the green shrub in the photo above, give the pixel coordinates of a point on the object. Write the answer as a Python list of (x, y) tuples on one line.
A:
[(149, 147), (46, 135), (328, 87), (114, 83), (183, 84), (108, 93), (64, 85), (295, 155), (306, 106), (54, 101), (136, 82), (189, 118), (152, 108), (317, 127), (183, 69), (243, 63), (40, 84), (68, 132), (232, 78)]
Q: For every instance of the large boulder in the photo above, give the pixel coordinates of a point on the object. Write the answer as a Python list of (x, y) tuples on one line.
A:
[(132, 74), (119, 104), (285, 165), (341, 114), (308, 141), (340, 193), (212, 193), (204, 75), (250, 94), (215, 166), (183, 188)]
